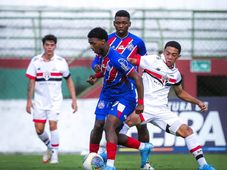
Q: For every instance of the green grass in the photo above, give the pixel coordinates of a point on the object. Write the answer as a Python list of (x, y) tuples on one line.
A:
[(123, 162)]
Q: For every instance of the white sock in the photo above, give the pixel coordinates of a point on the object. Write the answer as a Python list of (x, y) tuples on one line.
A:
[(195, 148), (124, 129), (110, 162), (45, 138), (54, 139)]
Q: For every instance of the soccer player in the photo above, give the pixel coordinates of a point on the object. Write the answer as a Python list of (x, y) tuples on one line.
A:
[(45, 73), (160, 74), (117, 99), (129, 45)]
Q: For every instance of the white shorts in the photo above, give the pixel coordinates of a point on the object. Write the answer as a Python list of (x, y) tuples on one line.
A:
[(163, 118), (41, 116)]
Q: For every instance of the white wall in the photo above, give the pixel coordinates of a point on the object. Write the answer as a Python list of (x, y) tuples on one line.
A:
[(17, 133), (113, 4)]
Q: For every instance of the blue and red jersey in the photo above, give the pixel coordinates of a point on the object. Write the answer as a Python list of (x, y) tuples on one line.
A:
[(129, 46), (116, 69)]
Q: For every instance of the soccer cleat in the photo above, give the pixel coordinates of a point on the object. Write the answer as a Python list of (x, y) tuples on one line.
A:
[(104, 156), (109, 168), (147, 166), (206, 167), (144, 153), (47, 155), (54, 157)]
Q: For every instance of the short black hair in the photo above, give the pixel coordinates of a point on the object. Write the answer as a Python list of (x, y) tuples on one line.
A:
[(122, 13), (99, 33), (174, 44), (49, 37)]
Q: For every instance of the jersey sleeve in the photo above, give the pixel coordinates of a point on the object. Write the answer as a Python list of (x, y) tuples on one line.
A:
[(178, 78), (65, 69), (142, 48), (147, 60), (120, 63), (31, 70), (95, 62)]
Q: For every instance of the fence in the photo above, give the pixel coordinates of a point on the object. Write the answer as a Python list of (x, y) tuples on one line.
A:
[(201, 33)]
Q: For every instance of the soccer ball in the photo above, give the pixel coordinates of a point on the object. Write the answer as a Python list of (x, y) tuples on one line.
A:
[(93, 161)]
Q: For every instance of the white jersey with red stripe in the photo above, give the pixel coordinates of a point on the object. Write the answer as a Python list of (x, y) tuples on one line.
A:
[(48, 81), (158, 79)]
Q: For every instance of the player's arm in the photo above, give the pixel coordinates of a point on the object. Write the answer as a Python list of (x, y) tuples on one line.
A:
[(30, 92), (140, 90), (96, 64), (72, 92), (92, 79), (182, 94)]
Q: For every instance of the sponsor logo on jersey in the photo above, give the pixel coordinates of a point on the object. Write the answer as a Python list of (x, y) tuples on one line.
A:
[(130, 47), (121, 47), (46, 75), (101, 104), (124, 64)]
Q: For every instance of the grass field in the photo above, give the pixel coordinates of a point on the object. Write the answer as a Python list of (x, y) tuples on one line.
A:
[(123, 162)]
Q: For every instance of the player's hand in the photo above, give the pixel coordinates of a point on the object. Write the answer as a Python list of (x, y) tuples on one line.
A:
[(132, 60), (139, 108), (92, 79), (97, 68), (29, 106), (74, 106), (203, 106)]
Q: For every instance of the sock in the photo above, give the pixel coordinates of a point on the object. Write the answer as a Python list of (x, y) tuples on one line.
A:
[(94, 148), (111, 153), (195, 148), (54, 139), (133, 143), (124, 129), (45, 138)]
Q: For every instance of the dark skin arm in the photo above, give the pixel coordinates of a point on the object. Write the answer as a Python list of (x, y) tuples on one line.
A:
[(140, 90)]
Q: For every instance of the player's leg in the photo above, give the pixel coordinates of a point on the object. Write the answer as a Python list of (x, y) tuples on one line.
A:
[(96, 135), (97, 131), (39, 119), (193, 146), (112, 123), (171, 123), (143, 134), (116, 116), (53, 125), (144, 148)]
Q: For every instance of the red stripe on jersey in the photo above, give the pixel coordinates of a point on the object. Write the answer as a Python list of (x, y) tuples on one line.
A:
[(30, 76), (133, 53), (172, 80), (112, 75), (111, 40), (39, 121), (153, 74), (39, 74), (195, 149), (121, 47), (56, 74), (104, 63)]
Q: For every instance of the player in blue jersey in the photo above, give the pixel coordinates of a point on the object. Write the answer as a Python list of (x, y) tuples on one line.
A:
[(129, 45), (118, 97)]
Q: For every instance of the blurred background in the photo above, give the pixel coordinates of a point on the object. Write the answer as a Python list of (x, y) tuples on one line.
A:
[(199, 26)]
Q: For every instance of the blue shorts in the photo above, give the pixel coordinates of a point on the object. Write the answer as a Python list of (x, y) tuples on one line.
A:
[(120, 108)]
